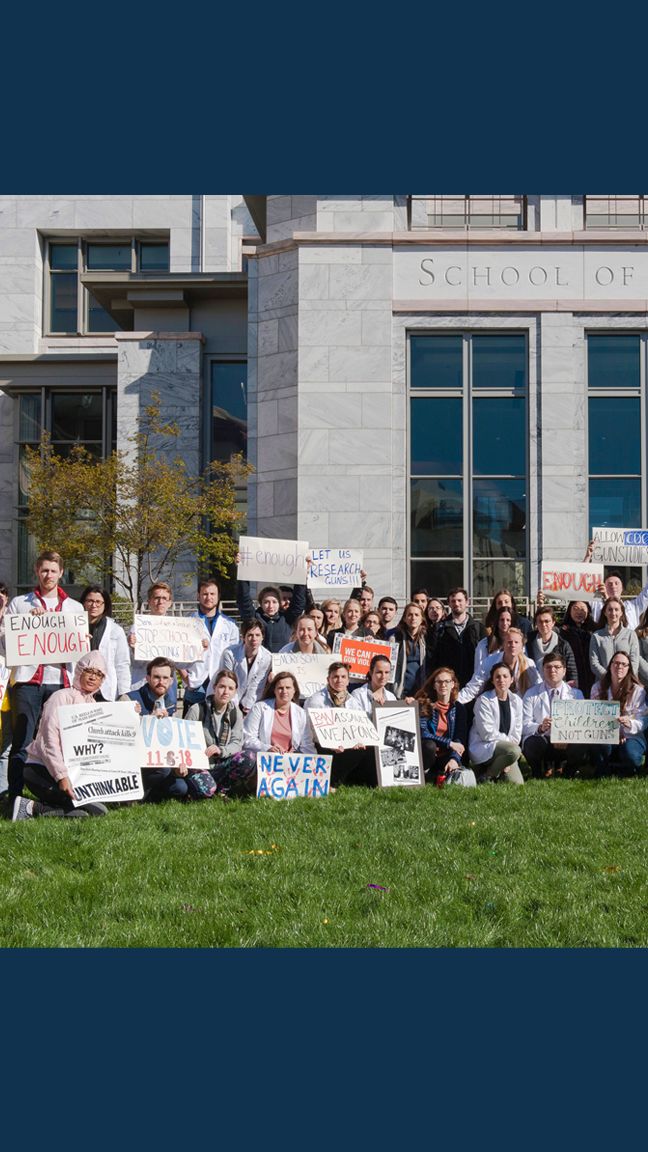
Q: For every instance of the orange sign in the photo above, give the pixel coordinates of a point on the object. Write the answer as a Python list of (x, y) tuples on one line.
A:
[(358, 652)]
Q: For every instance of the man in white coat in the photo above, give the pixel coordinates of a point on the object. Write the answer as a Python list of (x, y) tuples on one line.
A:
[(251, 662), (543, 757), (221, 633)]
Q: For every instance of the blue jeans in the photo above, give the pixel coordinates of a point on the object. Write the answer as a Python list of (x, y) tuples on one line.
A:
[(628, 755), (161, 784)]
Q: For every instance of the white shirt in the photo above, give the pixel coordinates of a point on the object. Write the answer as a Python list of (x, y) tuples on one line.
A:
[(536, 705)]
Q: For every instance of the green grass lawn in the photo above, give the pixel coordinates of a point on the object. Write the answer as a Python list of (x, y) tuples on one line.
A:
[(556, 863)]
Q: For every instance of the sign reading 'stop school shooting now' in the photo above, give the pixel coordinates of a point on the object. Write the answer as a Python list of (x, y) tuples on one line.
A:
[(338, 568), (48, 638), (620, 545), (102, 751), (342, 727), (285, 775), (179, 638), (272, 561)]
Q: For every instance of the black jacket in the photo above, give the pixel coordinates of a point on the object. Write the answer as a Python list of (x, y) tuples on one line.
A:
[(278, 628), (457, 650)]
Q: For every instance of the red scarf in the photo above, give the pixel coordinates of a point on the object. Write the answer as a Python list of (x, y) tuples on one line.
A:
[(37, 678)]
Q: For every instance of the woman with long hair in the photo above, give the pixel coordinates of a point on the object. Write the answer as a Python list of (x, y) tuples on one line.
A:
[(410, 635), (495, 735), (577, 627), (332, 616), (504, 598), (505, 618), (613, 635), (444, 730), (641, 632), (306, 639), (374, 690), (351, 623), (107, 637), (620, 683)]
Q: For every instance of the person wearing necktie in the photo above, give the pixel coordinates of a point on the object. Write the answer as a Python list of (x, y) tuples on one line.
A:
[(543, 757)]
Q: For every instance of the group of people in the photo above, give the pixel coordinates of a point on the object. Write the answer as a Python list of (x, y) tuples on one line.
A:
[(484, 690)]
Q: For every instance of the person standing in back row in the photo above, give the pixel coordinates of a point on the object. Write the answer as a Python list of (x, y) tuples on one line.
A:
[(459, 637)]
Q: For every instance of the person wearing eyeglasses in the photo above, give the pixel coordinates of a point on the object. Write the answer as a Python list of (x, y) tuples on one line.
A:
[(543, 757), (620, 683), (46, 773), (107, 637), (444, 730)]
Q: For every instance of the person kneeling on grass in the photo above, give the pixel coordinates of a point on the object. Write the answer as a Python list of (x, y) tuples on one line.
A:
[(494, 741), (156, 698), (222, 723), (443, 726), (620, 683), (46, 773)]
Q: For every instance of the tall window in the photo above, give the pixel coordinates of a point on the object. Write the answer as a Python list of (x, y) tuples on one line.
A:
[(616, 434), (468, 461), (70, 307), (87, 417), (468, 212)]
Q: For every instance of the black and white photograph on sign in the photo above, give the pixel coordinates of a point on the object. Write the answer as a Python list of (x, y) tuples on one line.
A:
[(399, 757)]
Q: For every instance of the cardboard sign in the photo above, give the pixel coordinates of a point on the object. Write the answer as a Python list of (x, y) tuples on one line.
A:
[(179, 638), (337, 568), (399, 756), (568, 581), (620, 545), (284, 775), (272, 561), (342, 727), (309, 671), (102, 751), (171, 743), (584, 722), (357, 653), (48, 638)]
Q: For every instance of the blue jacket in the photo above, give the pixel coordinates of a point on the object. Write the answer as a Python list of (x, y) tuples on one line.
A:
[(457, 726)]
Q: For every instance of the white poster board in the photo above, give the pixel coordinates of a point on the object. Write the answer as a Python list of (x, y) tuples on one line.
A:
[(309, 671), (399, 755), (566, 580), (102, 751), (179, 638), (46, 638), (285, 775), (172, 743), (620, 545), (335, 568), (272, 561), (584, 722), (342, 727)]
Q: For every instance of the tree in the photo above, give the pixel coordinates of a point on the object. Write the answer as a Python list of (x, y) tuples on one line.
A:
[(137, 516)]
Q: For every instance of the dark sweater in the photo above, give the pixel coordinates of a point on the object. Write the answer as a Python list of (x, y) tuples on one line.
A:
[(278, 628)]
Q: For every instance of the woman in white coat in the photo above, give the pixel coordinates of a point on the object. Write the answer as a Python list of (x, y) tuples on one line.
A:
[(494, 740), (277, 723), (107, 637)]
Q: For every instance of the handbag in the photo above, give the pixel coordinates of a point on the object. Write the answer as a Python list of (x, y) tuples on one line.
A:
[(201, 785)]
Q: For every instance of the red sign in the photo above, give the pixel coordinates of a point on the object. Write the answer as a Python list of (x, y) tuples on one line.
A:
[(358, 652)]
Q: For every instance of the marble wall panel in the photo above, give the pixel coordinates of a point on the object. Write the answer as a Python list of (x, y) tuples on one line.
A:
[(336, 328)]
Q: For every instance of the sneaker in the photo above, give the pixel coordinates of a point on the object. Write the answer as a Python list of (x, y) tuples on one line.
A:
[(23, 809)]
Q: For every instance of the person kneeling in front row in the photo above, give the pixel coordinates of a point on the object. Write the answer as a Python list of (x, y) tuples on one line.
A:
[(230, 767), (155, 698), (494, 741)]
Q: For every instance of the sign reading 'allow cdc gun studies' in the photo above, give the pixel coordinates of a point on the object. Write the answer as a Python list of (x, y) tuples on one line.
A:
[(620, 545), (46, 638)]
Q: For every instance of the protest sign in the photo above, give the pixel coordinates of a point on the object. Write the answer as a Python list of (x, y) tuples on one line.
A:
[(179, 638), (46, 638), (569, 581), (284, 775), (620, 545), (309, 671), (172, 743), (358, 652), (102, 751), (337, 568), (399, 755), (272, 561), (584, 722), (342, 727)]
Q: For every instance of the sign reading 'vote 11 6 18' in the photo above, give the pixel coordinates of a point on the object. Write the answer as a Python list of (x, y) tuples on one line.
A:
[(46, 638)]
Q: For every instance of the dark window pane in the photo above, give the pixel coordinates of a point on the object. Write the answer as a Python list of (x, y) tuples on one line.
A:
[(154, 258), (615, 503), (29, 420), (64, 302), (63, 256), (229, 410), (436, 361), (98, 319), (27, 553), (437, 518), (499, 361), (436, 436), (499, 436), (65, 448), (24, 476), (108, 257), (499, 518), (77, 416), (491, 574), (614, 435), (437, 575), (613, 361)]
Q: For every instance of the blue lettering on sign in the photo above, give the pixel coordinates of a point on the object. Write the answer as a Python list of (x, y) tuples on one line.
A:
[(636, 537)]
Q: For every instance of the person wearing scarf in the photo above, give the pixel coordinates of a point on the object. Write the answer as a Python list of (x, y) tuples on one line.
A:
[(108, 638), (444, 730), (350, 765)]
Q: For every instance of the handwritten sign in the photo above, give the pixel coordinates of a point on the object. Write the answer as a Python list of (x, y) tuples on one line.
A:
[(337, 568), (584, 722), (309, 671), (620, 545), (173, 743), (272, 561), (568, 581), (358, 652), (48, 638), (283, 776), (102, 751), (178, 638), (342, 727)]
